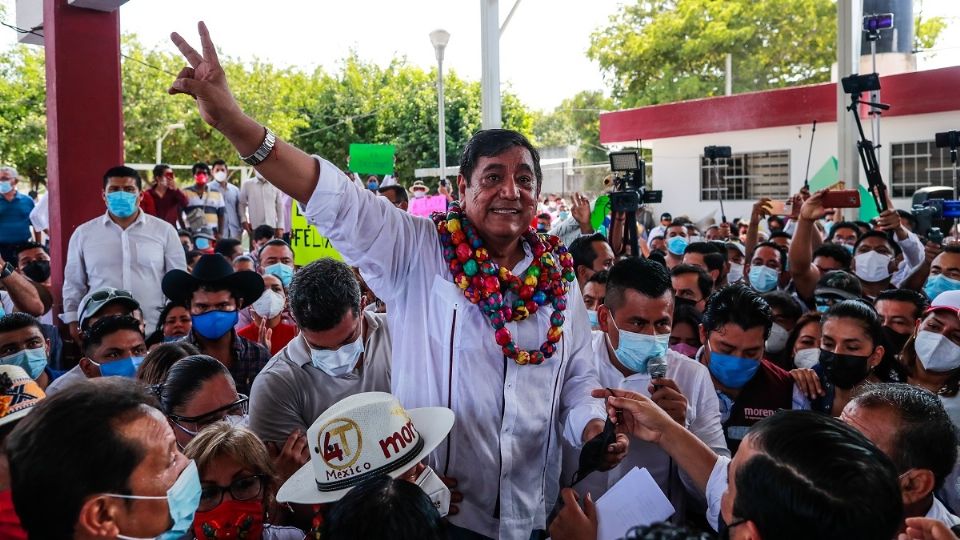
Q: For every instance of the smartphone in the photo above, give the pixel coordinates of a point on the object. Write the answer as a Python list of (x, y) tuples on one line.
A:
[(841, 198), (781, 208), (443, 182)]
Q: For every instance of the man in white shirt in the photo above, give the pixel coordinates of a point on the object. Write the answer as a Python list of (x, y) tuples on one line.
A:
[(261, 204), (512, 400), (635, 321), (231, 200), (125, 248)]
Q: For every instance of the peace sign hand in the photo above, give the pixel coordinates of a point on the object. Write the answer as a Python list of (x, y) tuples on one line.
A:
[(205, 81)]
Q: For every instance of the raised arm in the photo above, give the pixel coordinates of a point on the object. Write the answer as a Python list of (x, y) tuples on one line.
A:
[(287, 167), (23, 294), (804, 273), (760, 210)]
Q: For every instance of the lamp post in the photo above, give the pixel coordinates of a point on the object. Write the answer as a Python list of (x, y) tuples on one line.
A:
[(169, 129), (439, 39)]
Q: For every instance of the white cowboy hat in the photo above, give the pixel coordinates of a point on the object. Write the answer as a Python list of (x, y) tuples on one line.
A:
[(360, 437)]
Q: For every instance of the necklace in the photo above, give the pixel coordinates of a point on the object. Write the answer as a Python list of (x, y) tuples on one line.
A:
[(502, 296)]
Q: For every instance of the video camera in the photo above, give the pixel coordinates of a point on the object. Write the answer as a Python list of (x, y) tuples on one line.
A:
[(630, 186), (934, 211)]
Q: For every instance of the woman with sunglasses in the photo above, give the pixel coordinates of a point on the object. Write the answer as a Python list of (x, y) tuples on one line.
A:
[(238, 485), (198, 392)]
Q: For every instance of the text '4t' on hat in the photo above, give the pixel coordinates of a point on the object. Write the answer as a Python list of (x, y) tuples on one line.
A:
[(363, 436)]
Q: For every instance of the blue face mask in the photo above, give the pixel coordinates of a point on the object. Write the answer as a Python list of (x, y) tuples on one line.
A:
[(822, 308), (31, 360), (5, 187), (214, 324), (372, 186), (121, 204), (125, 367), (677, 245), (169, 339), (183, 497), (732, 371), (284, 272), (635, 350), (940, 284), (202, 243), (848, 247), (763, 278), (592, 317)]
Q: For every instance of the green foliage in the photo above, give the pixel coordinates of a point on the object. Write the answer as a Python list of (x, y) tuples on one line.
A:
[(320, 112), (658, 51), (927, 31), (575, 122)]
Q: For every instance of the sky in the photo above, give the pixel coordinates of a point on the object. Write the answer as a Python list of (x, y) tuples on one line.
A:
[(542, 50)]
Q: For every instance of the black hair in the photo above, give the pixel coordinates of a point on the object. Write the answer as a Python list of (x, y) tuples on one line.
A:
[(863, 224), (69, 448), (122, 172), (193, 255), (263, 231), (778, 248), (843, 225), (199, 166), (383, 508), (704, 281), (712, 256), (218, 162), (18, 321), (493, 142), (835, 252), (185, 378), (919, 300), (809, 477), (154, 338), (810, 317), (737, 304), (897, 250), (647, 277), (951, 248), (158, 170), (167, 308), (925, 438), (226, 246), (662, 530), (544, 215), (861, 312), (784, 302), (157, 363), (184, 232), (684, 312), (719, 247), (30, 245), (274, 242), (600, 277), (582, 251), (398, 192), (321, 293), (842, 280), (780, 234), (94, 336)]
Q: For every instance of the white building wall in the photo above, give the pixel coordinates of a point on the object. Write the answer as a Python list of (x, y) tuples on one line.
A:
[(676, 160)]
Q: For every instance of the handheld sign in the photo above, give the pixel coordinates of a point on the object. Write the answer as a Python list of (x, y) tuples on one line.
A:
[(371, 158), (308, 245), (425, 206)]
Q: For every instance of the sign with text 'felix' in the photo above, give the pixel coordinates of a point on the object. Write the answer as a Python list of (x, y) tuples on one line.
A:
[(308, 245)]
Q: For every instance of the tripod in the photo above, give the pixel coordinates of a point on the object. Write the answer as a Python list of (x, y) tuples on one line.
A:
[(868, 153)]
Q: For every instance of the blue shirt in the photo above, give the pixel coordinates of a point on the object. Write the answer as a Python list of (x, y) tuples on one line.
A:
[(15, 219)]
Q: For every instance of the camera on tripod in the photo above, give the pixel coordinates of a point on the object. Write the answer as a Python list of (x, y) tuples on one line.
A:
[(630, 183)]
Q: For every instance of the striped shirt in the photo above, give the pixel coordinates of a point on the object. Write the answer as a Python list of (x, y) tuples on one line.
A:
[(203, 210)]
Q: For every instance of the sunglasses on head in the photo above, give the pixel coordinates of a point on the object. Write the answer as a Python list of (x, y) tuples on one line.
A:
[(100, 296)]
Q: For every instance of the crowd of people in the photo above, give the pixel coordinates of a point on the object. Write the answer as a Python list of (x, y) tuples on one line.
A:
[(489, 372)]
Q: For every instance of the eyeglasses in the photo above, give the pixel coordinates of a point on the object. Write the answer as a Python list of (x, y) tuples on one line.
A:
[(241, 489), (237, 408), (102, 295)]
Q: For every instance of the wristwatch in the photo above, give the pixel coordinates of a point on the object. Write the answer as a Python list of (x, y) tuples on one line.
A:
[(266, 147), (7, 270)]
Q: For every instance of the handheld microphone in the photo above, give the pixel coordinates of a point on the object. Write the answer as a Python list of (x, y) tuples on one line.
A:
[(657, 368)]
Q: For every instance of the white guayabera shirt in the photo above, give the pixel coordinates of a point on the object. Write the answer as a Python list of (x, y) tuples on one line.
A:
[(504, 448)]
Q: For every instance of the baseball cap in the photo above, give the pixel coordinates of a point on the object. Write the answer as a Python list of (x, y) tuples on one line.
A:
[(18, 393), (946, 301), (95, 300)]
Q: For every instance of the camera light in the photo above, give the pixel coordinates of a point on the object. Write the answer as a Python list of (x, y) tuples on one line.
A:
[(624, 161)]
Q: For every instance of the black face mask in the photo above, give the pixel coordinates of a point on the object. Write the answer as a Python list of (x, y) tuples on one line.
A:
[(894, 341), (844, 370), (37, 271)]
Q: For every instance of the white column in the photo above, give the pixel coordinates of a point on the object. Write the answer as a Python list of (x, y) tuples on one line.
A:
[(490, 61)]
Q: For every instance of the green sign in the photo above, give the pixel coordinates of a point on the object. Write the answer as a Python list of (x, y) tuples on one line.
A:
[(829, 175), (371, 158), (308, 245)]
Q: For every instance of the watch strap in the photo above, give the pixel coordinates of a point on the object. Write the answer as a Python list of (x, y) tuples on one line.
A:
[(256, 158)]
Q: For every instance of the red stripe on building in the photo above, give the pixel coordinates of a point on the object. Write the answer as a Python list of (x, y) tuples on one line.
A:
[(919, 92)]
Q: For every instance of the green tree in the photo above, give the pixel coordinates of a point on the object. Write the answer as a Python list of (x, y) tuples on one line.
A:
[(657, 51), (23, 120), (575, 122)]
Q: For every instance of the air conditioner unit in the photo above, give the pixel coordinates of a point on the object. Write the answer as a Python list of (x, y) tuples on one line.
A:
[(99, 5)]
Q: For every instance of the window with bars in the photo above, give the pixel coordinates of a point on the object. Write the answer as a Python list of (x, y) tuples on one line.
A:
[(746, 176), (916, 165)]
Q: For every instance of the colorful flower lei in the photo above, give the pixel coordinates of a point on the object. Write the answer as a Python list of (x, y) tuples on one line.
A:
[(492, 286)]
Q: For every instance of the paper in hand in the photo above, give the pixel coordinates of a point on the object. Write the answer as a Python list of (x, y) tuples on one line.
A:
[(635, 500)]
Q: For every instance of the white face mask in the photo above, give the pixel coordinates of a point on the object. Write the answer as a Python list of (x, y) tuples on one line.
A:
[(438, 492), (269, 305), (419, 194), (936, 352), (778, 338), (735, 274), (807, 358), (220, 176), (341, 361), (872, 266)]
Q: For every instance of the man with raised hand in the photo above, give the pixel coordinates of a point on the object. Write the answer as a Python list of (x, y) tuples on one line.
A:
[(487, 320)]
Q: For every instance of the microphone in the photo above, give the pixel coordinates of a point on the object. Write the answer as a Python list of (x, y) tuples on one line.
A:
[(657, 368)]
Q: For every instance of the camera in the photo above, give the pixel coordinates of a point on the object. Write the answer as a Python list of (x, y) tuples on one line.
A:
[(629, 186), (934, 210)]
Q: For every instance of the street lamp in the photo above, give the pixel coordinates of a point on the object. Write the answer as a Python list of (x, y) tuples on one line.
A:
[(439, 39), (169, 129)]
